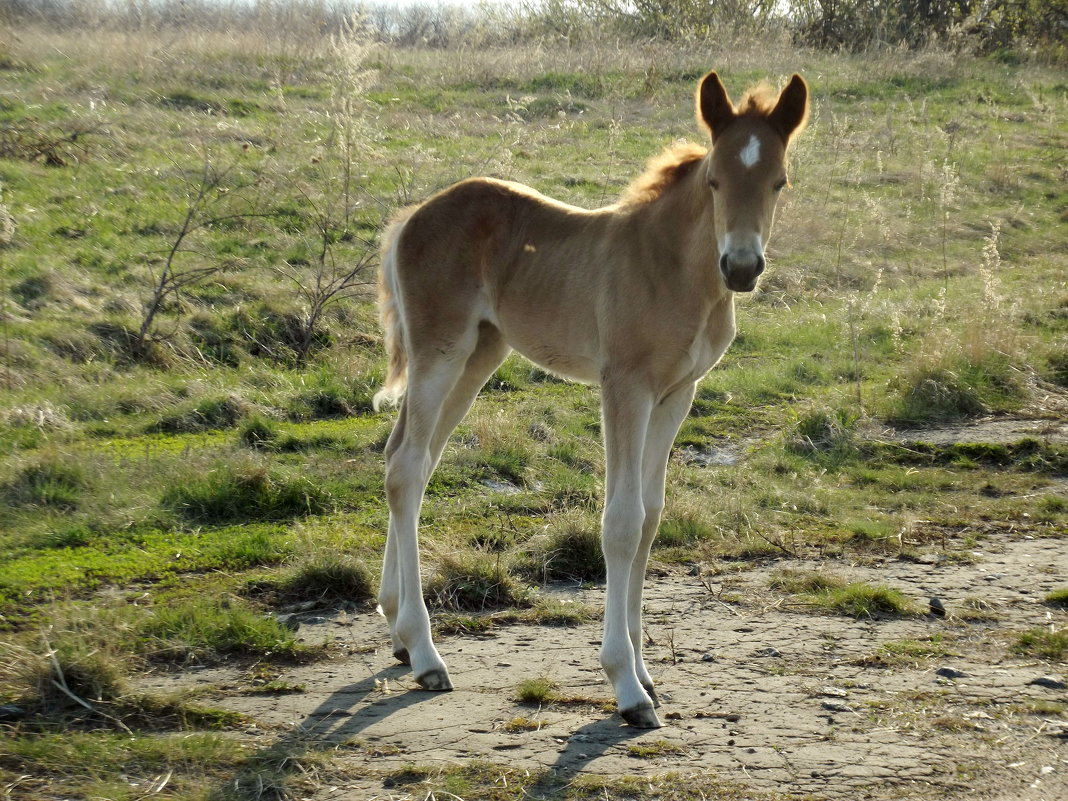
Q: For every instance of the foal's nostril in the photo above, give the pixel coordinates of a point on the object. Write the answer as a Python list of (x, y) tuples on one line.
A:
[(723, 265), (759, 266)]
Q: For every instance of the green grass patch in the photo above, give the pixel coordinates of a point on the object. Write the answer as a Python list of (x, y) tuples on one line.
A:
[(539, 691), (836, 596), (1058, 597), (246, 492), (207, 629), (118, 765), (655, 749)]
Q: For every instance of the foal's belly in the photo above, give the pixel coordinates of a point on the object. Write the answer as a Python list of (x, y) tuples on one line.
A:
[(559, 360)]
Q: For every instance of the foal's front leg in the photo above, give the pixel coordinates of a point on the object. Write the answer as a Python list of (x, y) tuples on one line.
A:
[(626, 410), (664, 424)]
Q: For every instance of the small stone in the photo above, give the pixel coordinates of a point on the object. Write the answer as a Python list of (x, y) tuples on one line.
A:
[(951, 673), (1049, 682), (730, 741), (834, 692), (291, 621), (836, 706), (707, 658), (770, 652), (936, 606)]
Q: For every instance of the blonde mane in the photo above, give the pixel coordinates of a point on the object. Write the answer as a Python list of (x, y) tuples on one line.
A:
[(662, 172), (758, 101)]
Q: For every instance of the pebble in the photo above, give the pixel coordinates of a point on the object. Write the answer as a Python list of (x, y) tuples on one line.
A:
[(936, 606), (770, 652), (836, 706), (951, 673), (1049, 682), (11, 712), (707, 658)]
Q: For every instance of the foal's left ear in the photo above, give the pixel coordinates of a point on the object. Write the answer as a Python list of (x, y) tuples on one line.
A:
[(791, 112)]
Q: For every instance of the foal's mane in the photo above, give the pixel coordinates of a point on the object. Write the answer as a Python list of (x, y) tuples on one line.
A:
[(662, 172), (669, 167), (758, 101)]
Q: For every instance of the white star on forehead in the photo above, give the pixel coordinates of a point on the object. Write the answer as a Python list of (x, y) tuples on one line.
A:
[(750, 154)]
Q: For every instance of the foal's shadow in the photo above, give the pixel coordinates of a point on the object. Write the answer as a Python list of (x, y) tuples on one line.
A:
[(340, 717), (593, 740), (344, 714)]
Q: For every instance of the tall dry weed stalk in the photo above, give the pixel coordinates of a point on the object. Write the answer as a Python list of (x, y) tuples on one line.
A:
[(7, 238), (350, 49), (335, 199)]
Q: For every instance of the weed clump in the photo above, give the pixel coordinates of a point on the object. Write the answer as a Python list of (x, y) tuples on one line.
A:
[(836, 596), (51, 482), (572, 552), (258, 432), (473, 582), (824, 434), (536, 691), (206, 415), (330, 577), (204, 629), (1043, 643), (1058, 597)]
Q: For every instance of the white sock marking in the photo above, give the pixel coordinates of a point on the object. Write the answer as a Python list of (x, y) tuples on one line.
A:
[(750, 154)]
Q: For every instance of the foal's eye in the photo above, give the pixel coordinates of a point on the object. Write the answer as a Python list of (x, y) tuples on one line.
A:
[(712, 182), (780, 184)]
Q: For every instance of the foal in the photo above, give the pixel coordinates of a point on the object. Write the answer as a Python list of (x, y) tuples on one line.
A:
[(638, 297)]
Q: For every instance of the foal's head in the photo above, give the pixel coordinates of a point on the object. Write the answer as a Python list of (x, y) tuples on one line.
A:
[(746, 169)]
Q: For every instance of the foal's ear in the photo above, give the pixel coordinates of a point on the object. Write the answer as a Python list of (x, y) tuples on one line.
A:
[(715, 110), (791, 112)]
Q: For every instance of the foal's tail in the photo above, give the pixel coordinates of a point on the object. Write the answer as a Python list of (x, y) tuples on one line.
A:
[(390, 315)]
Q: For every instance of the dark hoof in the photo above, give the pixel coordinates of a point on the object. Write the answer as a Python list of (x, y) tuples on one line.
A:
[(641, 717), (435, 680), (401, 655), (652, 694)]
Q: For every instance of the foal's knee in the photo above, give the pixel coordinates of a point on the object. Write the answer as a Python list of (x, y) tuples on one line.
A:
[(622, 524), (406, 468)]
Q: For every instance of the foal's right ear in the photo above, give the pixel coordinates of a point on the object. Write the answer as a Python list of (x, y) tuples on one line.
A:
[(715, 110)]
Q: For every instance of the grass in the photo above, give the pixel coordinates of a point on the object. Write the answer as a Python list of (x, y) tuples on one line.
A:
[(474, 582), (538, 691), (915, 280), (836, 596), (1044, 643), (1059, 597)]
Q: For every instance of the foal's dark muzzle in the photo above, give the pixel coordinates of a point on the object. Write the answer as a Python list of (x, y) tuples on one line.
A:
[(741, 270)]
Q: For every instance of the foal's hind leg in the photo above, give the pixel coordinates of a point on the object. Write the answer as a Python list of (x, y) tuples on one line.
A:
[(664, 424), (437, 400)]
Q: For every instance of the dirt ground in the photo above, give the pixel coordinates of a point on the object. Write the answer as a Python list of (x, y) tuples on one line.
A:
[(757, 689), (765, 694)]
